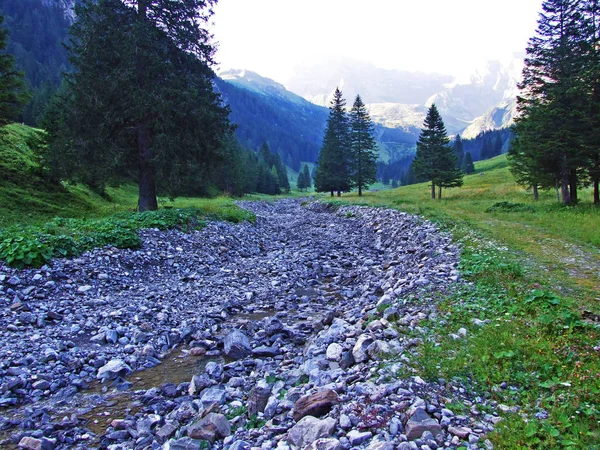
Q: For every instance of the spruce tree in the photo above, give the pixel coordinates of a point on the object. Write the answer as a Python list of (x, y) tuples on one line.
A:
[(301, 182), (459, 150), (141, 103), (13, 94), (551, 95), (363, 147), (435, 159), (306, 180), (468, 167), (333, 166)]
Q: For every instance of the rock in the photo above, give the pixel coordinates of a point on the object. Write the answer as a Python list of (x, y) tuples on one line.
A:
[(83, 289), (345, 422), (309, 429), (113, 369), (359, 352), (258, 399), (185, 443), (213, 395), (419, 423), (461, 432), (325, 444), (265, 352), (334, 352), (381, 446), (197, 351), (211, 428), (315, 405), (240, 445), (112, 336), (30, 443), (237, 345), (198, 384), (356, 437)]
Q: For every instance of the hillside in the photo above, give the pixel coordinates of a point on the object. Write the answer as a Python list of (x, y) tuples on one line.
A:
[(264, 111)]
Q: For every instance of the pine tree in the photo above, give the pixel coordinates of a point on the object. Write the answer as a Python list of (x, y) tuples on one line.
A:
[(301, 182), (459, 150), (141, 103), (363, 147), (435, 159), (552, 95), (306, 180), (468, 167), (333, 166), (13, 94)]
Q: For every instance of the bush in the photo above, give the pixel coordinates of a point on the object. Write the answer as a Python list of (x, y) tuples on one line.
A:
[(35, 246)]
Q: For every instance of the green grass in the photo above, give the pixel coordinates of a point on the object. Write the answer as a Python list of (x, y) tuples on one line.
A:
[(40, 220), (533, 272)]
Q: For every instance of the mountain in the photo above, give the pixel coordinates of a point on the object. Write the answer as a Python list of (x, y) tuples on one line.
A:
[(316, 82), (499, 117), (265, 111), (400, 98)]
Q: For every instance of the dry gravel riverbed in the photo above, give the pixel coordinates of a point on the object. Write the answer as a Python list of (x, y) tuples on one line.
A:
[(288, 333)]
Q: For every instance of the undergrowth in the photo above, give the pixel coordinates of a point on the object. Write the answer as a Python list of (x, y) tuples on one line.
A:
[(36, 245), (530, 348)]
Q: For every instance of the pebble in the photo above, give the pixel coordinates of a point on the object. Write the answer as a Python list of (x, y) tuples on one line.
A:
[(297, 293)]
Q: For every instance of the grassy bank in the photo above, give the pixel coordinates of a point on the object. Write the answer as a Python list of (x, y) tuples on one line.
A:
[(41, 220), (534, 291)]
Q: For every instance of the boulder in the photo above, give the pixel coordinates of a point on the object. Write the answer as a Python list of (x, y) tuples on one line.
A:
[(419, 423), (237, 345), (334, 352), (359, 352), (211, 428), (257, 400), (113, 369), (309, 429), (315, 405), (325, 444)]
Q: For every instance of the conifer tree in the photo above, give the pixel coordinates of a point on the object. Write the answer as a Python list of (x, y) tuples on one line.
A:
[(363, 147), (141, 103), (304, 181), (333, 166), (435, 159), (468, 167), (552, 93), (13, 94), (459, 150)]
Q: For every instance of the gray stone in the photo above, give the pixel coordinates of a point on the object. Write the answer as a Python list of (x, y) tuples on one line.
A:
[(185, 443), (359, 352), (258, 399), (198, 384), (112, 336), (316, 405), (211, 428), (381, 446), (113, 369), (334, 352), (325, 444), (419, 423), (213, 395), (356, 437), (309, 429), (240, 445), (237, 345), (461, 432)]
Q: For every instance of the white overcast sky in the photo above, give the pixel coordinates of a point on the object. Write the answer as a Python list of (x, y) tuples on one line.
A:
[(454, 37)]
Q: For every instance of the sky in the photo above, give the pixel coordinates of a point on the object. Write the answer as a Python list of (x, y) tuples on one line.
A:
[(455, 37)]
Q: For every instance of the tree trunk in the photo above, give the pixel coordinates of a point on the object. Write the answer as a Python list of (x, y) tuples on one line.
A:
[(596, 193), (536, 194), (332, 193), (573, 186), (359, 190), (564, 188), (432, 190), (146, 182), (439, 192), (339, 193)]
